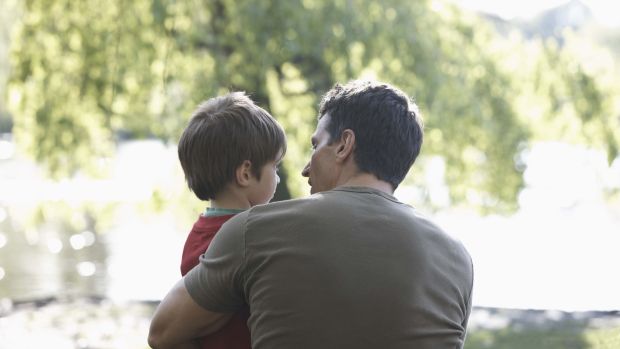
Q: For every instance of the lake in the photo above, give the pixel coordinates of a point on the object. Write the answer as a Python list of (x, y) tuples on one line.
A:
[(121, 237)]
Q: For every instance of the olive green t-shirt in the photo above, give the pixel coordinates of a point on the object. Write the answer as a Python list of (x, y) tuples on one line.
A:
[(348, 268)]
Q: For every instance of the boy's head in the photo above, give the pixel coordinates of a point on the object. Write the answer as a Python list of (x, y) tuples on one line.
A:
[(222, 134)]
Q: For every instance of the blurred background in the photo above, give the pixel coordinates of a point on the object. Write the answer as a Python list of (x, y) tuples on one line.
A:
[(521, 103)]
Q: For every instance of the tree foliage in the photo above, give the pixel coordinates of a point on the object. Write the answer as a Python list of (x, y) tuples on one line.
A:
[(86, 74)]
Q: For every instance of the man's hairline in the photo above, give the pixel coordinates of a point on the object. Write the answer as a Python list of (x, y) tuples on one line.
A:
[(331, 139)]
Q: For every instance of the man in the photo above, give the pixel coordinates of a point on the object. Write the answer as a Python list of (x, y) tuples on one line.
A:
[(348, 267)]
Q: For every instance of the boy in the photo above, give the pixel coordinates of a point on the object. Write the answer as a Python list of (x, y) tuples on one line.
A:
[(229, 152)]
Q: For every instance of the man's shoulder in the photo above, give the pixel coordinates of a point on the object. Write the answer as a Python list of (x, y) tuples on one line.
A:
[(286, 206), (300, 209)]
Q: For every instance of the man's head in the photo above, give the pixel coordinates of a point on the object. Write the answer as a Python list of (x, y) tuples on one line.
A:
[(223, 133), (383, 124)]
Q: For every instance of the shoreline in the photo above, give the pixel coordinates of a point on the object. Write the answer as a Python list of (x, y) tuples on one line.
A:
[(99, 322), (481, 317)]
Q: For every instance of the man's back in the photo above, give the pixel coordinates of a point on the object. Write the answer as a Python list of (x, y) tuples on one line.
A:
[(347, 268)]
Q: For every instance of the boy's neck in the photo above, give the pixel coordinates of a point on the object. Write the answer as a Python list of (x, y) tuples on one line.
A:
[(230, 200)]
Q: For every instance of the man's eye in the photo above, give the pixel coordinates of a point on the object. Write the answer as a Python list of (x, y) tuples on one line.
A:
[(313, 147)]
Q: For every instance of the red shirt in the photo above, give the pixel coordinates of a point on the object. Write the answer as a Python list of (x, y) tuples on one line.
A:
[(235, 334)]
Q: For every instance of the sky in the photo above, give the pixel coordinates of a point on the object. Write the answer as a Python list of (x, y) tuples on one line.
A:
[(604, 10)]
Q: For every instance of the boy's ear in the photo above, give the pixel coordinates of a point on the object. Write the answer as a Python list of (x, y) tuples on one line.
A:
[(243, 174), (346, 145)]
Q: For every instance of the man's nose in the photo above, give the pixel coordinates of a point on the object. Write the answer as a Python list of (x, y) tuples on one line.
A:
[(306, 171)]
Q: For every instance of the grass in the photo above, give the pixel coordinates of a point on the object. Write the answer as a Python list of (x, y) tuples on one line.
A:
[(102, 324), (557, 338)]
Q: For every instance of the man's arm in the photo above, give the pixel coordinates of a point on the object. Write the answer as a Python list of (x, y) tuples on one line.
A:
[(179, 320)]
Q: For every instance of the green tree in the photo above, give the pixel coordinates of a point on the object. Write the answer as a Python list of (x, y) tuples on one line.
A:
[(86, 74)]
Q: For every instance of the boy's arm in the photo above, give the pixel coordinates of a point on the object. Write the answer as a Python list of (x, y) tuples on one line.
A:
[(179, 320)]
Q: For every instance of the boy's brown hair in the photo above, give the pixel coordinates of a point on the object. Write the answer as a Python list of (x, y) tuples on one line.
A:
[(223, 132)]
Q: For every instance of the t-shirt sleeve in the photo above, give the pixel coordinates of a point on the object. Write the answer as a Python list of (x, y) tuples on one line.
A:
[(469, 300), (216, 282)]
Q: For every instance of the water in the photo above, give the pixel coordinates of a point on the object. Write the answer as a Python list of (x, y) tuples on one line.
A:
[(558, 252), (88, 237), (44, 264), (135, 261), (523, 262)]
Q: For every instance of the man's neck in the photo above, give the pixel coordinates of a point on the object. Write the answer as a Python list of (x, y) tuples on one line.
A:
[(370, 181)]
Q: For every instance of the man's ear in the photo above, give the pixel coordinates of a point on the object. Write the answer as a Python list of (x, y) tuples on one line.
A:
[(346, 145), (243, 174)]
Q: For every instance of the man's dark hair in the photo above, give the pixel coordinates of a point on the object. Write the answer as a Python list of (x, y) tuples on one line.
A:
[(222, 133), (386, 123)]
